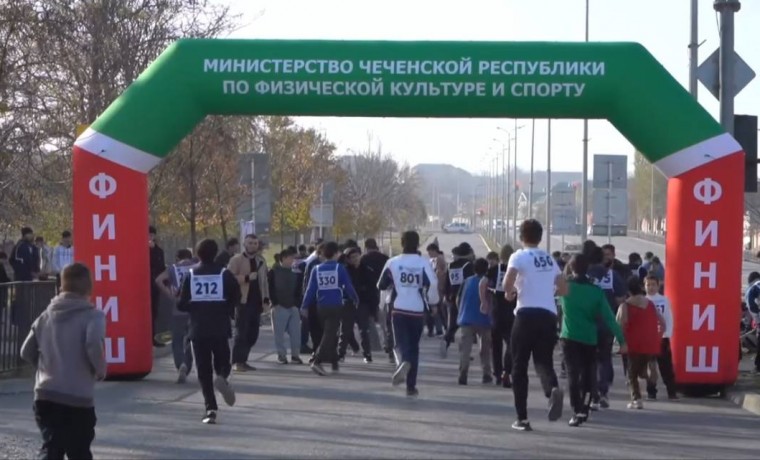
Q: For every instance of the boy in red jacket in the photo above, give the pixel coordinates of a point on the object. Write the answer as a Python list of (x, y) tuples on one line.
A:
[(643, 326)]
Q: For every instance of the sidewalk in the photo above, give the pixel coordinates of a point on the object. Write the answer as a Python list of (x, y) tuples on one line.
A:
[(746, 391)]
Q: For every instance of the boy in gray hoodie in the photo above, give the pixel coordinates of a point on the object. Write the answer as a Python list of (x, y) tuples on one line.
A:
[(66, 345)]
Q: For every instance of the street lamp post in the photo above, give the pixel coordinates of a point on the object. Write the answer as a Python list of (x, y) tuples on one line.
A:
[(584, 182), (532, 156)]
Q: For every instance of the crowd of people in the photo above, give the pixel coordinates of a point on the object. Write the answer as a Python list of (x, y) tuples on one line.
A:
[(515, 305)]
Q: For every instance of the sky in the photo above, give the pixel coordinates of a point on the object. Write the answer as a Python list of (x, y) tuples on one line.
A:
[(662, 26)]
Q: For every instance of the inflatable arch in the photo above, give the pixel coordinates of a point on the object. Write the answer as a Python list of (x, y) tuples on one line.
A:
[(621, 82)]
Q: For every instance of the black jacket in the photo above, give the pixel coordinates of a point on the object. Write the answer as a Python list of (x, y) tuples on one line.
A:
[(363, 279), (25, 261), (157, 262), (376, 261), (452, 291), (211, 319)]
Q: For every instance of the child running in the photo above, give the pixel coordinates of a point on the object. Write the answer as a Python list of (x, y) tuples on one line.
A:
[(664, 360), (583, 304), (475, 321), (641, 323)]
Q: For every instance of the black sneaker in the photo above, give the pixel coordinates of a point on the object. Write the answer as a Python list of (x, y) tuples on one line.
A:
[(463, 379), (576, 420), (342, 359), (487, 379), (652, 397), (604, 402), (210, 418), (282, 360), (506, 380), (158, 344), (368, 359), (392, 358), (522, 425), (296, 360), (412, 392), (335, 367), (556, 399), (498, 380), (318, 369)]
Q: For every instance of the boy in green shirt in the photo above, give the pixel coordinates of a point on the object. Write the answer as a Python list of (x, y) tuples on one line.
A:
[(582, 307)]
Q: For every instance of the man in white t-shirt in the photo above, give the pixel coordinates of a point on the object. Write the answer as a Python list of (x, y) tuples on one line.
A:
[(665, 360), (534, 278)]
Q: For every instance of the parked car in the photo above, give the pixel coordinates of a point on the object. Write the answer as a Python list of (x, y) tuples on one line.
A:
[(457, 227)]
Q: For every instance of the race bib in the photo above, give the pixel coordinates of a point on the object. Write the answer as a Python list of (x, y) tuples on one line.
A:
[(500, 275), (660, 308), (327, 280), (180, 274), (410, 278), (456, 276), (606, 282), (543, 262), (206, 288)]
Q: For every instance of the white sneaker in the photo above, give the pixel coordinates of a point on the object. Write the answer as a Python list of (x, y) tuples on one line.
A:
[(636, 404), (225, 389), (182, 373)]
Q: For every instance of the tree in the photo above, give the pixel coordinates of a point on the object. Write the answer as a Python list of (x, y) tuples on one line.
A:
[(650, 190)]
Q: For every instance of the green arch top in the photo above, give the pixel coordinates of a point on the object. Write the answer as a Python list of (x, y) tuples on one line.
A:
[(194, 78)]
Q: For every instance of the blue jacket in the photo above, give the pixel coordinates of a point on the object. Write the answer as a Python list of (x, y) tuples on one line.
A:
[(469, 305), (326, 289), (25, 261)]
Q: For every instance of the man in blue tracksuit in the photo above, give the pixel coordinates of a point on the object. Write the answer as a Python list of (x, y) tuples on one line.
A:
[(327, 283)]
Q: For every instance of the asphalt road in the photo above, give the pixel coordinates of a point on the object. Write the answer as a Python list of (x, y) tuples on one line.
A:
[(288, 412)]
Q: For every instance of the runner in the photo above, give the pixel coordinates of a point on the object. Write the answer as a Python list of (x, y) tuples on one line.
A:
[(414, 286), (533, 278), (475, 321), (250, 270), (642, 323), (170, 282), (283, 287), (581, 308), (363, 280), (315, 326), (604, 276), (459, 270), (210, 294), (752, 299), (664, 361), (327, 283), (435, 318), (503, 316)]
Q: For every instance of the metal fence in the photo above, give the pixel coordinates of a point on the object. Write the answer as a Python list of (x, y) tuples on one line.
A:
[(20, 304)]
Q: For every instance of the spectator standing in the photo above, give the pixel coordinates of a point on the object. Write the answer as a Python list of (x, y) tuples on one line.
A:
[(230, 249), (46, 256), (26, 257), (63, 255), (157, 266)]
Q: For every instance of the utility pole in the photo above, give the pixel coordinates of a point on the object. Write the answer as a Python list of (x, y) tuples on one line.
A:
[(584, 181), (509, 227), (694, 48), (727, 9), (514, 211), (549, 188), (532, 155)]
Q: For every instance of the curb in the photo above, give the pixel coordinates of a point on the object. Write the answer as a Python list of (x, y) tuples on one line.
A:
[(747, 401)]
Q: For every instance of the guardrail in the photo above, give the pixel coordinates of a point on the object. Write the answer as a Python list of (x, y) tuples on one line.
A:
[(20, 304)]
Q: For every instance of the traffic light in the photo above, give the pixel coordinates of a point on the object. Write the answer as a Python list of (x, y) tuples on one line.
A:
[(745, 132)]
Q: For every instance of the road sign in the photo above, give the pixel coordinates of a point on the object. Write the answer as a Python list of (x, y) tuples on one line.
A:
[(563, 221), (617, 165), (709, 74), (618, 207), (563, 196)]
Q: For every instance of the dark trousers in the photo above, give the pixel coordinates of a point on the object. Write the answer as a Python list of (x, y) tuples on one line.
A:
[(247, 325), (390, 344), (534, 334), (65, 430), (361, 317), (638, 365), (407, 332), (211, 355), (329, 318), (347, 336), (155, 302), (606, 372), (452, 327), (580, 362), (665, 365), (316, 329), (304, 333), (501, 334)]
